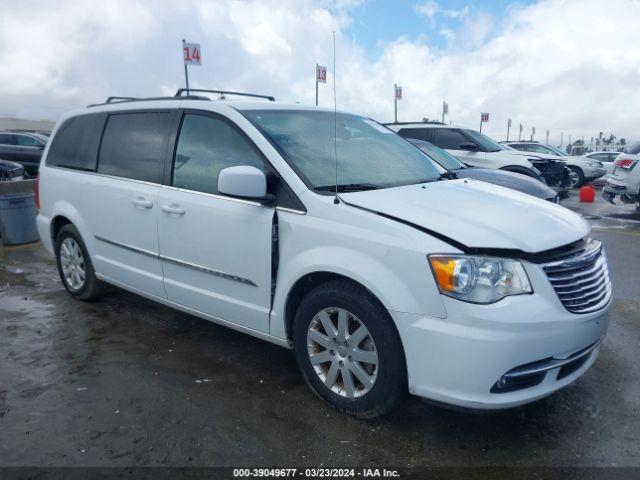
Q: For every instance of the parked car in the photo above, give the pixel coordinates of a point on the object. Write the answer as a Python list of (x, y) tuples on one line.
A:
[(624, 181), (516, 181), (43, 133), (554, 171), (326, 233), (607, 159), (23, 148), (466, 145), (583, 169), (478, 150), (11, 171)]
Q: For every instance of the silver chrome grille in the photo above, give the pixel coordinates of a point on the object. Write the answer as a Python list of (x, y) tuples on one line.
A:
[(581, 280)]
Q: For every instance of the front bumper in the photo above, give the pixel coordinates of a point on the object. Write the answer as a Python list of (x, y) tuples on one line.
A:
[(459, 360)]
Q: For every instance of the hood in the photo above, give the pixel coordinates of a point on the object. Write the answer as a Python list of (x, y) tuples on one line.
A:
[(536, 155), (516, 181), (477, 214)]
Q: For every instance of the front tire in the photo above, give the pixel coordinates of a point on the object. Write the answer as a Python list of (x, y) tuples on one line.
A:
[(577, 177), (349, 351), (74, 265)]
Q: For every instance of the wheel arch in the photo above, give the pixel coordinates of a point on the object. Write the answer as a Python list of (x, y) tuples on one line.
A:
[(57, 223), (308, 282), (63, 213)]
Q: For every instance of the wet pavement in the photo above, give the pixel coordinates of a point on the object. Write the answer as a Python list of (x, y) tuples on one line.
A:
[(124, 381)]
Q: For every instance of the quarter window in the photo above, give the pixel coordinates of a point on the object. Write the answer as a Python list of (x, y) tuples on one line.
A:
[(133, 145), (206, 146), (75, 144)]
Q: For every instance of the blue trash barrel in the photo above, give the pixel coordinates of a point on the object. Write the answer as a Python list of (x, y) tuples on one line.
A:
[(18, 218)]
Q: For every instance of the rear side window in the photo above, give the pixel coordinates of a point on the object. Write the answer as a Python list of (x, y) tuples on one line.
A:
[(448, 138), (75, 145), (133, 145), (417, 133), (206, 146)]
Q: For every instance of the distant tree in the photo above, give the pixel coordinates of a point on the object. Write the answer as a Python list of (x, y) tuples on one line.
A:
[(622, 141)]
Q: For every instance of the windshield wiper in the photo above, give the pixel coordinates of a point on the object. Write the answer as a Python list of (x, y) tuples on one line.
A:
[(348, 187)]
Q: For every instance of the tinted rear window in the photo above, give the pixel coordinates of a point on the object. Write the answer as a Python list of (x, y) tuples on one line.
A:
[(75, 145), (133, 145), (417, 133)]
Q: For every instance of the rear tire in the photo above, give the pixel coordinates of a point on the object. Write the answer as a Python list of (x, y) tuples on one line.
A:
[(577, 177), (356, 362), (74, 265)]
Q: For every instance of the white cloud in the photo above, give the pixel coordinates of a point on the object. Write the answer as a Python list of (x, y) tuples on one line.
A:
[(428, 8), (567, 65)]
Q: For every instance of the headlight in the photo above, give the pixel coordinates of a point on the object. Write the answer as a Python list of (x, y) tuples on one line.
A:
[(479, 279)]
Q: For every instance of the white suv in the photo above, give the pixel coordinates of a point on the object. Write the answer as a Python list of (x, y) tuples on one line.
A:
[(396, 280), (469, 146)]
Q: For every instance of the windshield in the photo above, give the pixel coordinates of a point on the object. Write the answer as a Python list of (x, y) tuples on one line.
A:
[(368, 153), (556, 151), (485, 142), (444, 158)]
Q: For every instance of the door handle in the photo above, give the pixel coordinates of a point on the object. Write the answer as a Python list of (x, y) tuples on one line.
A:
[(142, 202), (173, 209)]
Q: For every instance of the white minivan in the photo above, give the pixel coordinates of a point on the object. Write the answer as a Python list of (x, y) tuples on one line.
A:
[(384, 275)]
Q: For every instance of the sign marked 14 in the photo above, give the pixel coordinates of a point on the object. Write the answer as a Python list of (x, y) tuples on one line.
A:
[(191, 53)]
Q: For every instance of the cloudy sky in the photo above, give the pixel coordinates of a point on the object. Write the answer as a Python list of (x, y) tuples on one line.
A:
[(569, 66)]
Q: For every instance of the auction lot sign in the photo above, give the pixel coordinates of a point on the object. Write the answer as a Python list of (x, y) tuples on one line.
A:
[(191, 53)]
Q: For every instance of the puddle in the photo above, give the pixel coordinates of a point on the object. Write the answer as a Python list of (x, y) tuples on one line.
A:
[(32, 308)]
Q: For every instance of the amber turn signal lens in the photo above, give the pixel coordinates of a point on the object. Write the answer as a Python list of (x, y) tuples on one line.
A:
[(443, 269)]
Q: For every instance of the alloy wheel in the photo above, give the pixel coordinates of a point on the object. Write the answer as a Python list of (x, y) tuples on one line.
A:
[(574, 178), (72, 263), (342, 352)]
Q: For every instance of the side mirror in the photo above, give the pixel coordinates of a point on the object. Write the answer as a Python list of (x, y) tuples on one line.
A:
[(469, 147), (244, 182)]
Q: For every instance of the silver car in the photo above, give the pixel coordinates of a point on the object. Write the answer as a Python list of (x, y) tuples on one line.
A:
[(625, 179)]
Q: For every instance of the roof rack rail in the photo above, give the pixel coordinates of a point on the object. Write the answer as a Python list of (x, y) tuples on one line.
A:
[(224, 92), (111, 100), (429, 122), (120, 99)]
